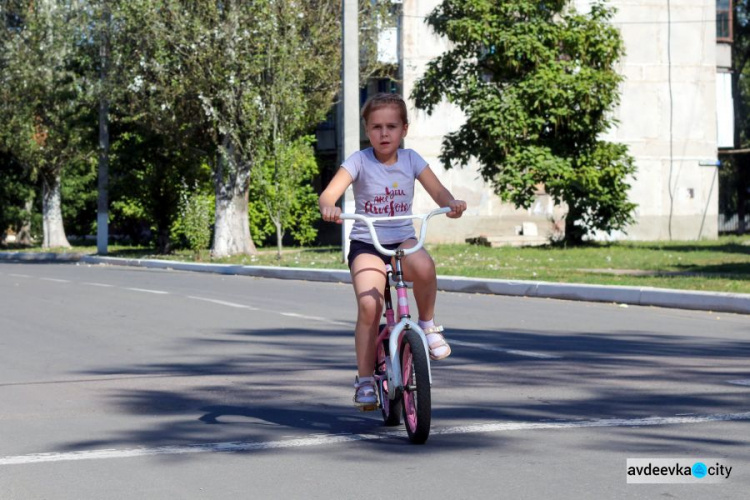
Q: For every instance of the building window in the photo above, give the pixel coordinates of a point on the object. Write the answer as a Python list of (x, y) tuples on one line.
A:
[(724, 20)]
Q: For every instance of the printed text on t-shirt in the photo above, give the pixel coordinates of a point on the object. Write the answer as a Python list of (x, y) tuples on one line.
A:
[(385, 204)]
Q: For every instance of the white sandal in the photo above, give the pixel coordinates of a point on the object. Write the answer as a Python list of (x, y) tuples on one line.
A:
[(437, 343), (365, 395)]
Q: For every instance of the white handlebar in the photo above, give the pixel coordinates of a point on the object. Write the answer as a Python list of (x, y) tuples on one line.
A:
[(374, 234)]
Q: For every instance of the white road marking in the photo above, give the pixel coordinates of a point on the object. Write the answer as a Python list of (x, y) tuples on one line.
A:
[(225, 303), (103, 285), (516, 352), (314, 318), (144, 290), (289, 314), (740, 382), (20, 275), (55, 280), (330, 439)]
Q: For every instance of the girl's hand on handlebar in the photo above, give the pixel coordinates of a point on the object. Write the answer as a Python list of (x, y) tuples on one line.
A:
[(457, 209), (331, 214)]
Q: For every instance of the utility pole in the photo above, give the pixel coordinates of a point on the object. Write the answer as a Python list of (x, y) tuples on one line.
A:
[(350, 98), (102, 213)]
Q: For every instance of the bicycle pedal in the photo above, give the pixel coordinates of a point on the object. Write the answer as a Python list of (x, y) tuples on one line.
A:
[(371, 407)]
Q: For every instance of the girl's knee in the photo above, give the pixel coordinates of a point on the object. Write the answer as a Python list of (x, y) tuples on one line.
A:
[(369, 309), (422, 267)]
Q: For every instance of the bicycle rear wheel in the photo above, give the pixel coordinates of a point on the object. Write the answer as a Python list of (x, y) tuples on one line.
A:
[(391, 408), (416, 396)]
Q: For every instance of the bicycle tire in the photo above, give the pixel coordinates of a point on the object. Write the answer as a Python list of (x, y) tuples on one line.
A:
[(416, 397), (390, 408)]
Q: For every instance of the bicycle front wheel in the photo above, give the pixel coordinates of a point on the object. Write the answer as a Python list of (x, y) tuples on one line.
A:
[(416, 396)]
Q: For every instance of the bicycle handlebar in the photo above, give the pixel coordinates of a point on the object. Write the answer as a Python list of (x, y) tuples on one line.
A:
[(422, 233)]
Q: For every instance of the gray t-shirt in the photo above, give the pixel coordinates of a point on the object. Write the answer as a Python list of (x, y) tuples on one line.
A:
[(383, 191)]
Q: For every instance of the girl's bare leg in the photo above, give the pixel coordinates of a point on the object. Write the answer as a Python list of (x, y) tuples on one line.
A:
[(419, 268), (368, 278)]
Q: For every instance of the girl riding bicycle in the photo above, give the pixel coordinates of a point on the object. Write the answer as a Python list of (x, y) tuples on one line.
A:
[(382, 177)]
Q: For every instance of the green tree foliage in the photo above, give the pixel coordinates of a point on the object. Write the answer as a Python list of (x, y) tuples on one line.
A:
[(295, 93), (43, 109), (159, 139), (196, 218), (148, 172), (227, 84), (15, 185), (282, 191), (78, 189), (537, 83), (208, 67)]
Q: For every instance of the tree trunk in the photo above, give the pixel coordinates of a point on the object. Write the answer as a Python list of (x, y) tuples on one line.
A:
[(279, 237), (232, 230), (163, 240), (52, 221), (573, 233), (232, 225), (23, 235)]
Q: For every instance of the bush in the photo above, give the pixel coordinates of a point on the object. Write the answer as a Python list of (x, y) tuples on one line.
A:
[(193, 229)]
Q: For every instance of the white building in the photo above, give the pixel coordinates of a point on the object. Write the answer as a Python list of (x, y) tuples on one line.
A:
[(676, 86)]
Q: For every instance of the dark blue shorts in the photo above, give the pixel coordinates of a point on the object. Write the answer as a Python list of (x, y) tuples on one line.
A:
[(357, 247)]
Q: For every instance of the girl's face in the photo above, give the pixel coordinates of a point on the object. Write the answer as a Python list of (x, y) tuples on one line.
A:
[(386, 129)]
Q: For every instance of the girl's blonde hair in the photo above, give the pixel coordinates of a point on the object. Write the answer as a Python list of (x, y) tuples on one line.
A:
[(381, 100)]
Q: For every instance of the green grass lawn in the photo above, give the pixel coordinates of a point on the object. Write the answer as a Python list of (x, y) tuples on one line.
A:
[(721, 265)]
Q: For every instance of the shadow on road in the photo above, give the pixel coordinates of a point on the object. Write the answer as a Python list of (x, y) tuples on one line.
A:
[(272, 384)]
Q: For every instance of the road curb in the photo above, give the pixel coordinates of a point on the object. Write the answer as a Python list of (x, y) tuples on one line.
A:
[(642, 296), (42, 256)]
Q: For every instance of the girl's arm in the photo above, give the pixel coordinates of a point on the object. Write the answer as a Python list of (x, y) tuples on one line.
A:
[(440, 193), (331, 194)]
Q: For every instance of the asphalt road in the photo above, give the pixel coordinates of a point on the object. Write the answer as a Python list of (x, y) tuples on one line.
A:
[(133, 383)]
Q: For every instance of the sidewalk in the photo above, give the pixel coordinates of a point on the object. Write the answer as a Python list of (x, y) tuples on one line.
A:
[(642, 296)]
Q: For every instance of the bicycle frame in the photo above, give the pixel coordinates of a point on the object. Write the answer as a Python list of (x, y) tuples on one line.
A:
[(395, 330)]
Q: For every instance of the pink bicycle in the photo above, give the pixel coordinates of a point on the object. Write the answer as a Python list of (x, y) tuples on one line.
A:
[(402, 366)]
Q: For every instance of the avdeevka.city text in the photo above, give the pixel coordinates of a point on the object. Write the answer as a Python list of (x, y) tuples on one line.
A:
[(677, 470)]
